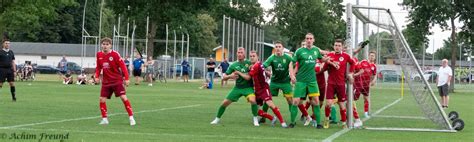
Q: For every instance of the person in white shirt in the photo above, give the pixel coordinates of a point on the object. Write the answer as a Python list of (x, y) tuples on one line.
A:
[(444, 78)]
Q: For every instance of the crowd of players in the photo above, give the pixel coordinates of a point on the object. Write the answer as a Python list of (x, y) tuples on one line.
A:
[(301, 76)]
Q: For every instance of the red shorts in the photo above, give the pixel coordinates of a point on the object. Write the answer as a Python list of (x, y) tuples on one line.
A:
[(361, 90), (117, 89), (322, 93), (333, 89), (262, 95)]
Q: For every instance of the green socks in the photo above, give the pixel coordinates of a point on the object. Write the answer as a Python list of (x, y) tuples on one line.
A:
[(333, 113), (220, 111), (254, 109), (317, 113), (294, 112), (265, 107)]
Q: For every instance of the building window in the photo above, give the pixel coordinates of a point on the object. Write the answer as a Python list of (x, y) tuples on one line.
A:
[(44, 57)]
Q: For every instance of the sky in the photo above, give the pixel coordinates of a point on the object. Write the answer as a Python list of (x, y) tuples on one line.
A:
[(436, 39)]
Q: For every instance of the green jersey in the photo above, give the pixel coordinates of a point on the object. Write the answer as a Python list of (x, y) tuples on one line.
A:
[(279, 64), (306, 59), (243, 67)]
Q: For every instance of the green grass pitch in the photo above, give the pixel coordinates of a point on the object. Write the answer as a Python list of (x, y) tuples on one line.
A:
[(178, 111)]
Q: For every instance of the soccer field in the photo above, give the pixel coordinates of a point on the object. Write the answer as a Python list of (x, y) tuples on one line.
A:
[(177, 111)]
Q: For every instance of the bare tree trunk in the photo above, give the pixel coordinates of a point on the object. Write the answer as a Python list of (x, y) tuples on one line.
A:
[(151, 38), (453, 53)]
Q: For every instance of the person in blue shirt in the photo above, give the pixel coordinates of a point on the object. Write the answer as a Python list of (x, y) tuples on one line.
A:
[(185, 67), (224, 66), (137, 68), (127, 63)]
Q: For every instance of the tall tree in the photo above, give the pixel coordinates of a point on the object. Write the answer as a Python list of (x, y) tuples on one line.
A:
[(159, 11), (296, 18), (386, 46), (445, 51), (424, 14), (415, 40), (25, 21)]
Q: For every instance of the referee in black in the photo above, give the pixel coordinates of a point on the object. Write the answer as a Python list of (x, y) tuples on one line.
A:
[(7, 66)]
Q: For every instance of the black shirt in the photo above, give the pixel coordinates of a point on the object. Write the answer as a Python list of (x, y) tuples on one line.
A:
[(6, 58), (210, 69)]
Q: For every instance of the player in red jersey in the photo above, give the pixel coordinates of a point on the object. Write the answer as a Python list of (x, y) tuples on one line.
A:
[(262, 91), (364, 78), (115, 78), (337, 79)]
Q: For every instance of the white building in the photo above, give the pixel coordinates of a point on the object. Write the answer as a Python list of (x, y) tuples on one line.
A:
[(52, 53)]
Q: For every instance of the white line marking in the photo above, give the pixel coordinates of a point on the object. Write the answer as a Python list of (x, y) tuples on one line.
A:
[(403, 117), (343, 131), (165, 134), (409, 129), (94, 117)]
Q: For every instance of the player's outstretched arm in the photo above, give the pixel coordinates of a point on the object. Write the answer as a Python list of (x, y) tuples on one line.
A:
[(359, 72), (324, 52), (243, 75), (292, 73), (98, 68)]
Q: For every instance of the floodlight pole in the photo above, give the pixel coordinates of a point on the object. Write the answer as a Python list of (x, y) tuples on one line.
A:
[(100, 18), (182, 54), (127, 39), (187, 48), (356, 31), (146, 36), (174, 55), (238, 40), (228, 39), (223, 36), (165, 69), (233, 39), (83, 40), (263, 41)]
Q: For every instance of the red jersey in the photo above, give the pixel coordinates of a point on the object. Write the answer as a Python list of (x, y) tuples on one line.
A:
[(320, 75), (112, 66), (338, 76), (363, 80), (257, 72)]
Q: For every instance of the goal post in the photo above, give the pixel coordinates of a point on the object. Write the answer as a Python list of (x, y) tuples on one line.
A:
[(421, 90)]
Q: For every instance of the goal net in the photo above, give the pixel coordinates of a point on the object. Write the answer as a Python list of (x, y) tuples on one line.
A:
[(419, 112)]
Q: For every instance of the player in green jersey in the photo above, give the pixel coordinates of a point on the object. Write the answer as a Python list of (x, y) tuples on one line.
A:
[(305, 79), (243, 87)]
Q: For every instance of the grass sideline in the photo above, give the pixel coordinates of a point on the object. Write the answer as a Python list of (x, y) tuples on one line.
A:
[(178, 111)]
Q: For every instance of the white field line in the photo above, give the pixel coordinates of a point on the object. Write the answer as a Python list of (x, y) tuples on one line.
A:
[(343, 131), (403, 117), (94, 117)]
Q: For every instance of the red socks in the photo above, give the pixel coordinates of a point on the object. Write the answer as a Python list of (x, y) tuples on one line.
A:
[(343, 115), (327, 111), (276, 111), (308, 104), (366, 106), (265, 115), (303, 109), (103, 109), (354, 112), (128, 107)]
